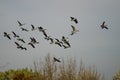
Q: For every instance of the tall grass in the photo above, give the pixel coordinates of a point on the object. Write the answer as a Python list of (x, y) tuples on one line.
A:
[(47, 69), (66, 70)]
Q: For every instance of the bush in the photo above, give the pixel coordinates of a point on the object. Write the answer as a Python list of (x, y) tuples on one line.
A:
[(66, 70), (117, 76)]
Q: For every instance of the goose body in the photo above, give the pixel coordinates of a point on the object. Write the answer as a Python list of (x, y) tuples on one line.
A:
[(15, 35), (7, 35), (104, 26)]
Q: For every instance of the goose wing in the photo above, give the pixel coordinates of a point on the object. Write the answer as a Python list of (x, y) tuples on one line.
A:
[(16, 43), (32, 26), (14, 33), (31, 45), (73, 28), (76, 21), (19, 23), (103, 23)]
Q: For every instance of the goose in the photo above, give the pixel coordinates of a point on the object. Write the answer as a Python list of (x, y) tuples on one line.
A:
[(103, 25), (23, 29), (33, 40), (20, 24), (15, 35), (74, 19), (56, 60), (58, 44), (20, 46), (31, 44), (74, 30), (7, 35), (20, 39)]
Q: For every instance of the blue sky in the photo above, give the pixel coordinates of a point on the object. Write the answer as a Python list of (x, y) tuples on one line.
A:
[(91, 44)]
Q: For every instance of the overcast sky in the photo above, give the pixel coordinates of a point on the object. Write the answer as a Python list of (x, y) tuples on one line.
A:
[(95, 46)]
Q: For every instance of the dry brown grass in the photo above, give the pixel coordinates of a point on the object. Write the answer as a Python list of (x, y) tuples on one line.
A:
[(65, 70)]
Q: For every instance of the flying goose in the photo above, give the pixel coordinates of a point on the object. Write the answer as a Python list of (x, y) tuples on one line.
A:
[(74, 30), (31, 44), (23, 29), (15, 35), (56, 60), (20, 39), (20, 24), (74, 19), (33, 40), (20, 46), (58, 44), (7, 35), (103, 25)]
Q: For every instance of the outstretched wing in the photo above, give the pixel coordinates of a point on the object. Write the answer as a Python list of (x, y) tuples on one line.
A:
[(14, 33), (17, 44), (73, 28), (103, 23), (76, 21), (32, 26), (19, 23), (106, 27), (72, 18), (56, 60)]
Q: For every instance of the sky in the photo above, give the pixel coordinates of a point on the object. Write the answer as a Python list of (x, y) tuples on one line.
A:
[(92, 45)]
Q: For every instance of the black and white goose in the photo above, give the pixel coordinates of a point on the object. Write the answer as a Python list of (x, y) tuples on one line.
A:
[(31, 44), (74, 30), (20, 39), (15, 35), (104, 26), (56, 60), (33, 40), (23, 29), (7, 35), (20, 46)]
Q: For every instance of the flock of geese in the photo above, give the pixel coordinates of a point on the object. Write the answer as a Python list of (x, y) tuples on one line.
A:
[(63, 42)]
